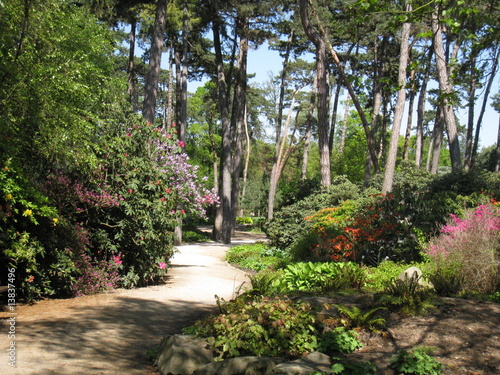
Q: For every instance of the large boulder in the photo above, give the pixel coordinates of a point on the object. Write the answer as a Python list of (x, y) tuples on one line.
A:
[(416, 273), (314, 361), (241, 366), (183, 355)]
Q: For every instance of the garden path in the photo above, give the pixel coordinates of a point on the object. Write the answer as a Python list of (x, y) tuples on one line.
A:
[(110, 333)]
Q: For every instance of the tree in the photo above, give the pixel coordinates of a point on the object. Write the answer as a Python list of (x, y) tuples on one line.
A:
[(390, 165), (153, 77)]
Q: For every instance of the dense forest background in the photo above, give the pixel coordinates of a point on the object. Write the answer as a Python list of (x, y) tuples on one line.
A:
[(104, 152)]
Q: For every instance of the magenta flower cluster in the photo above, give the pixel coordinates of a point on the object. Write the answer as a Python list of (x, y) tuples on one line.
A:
[(480, 225)]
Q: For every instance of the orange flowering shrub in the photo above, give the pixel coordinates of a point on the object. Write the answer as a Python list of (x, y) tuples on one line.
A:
[(368, 233)]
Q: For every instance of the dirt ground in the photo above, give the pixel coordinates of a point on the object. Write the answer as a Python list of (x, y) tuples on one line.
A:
[(464, 335), (110, 333)]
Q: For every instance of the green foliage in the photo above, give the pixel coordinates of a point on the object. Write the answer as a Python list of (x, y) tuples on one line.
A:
[(320, 277), (288, 223), (264, 282), (406, 296), (350, 367), (447, 281), (382, 275), (354, 317), (416, 362), (339, 340), (264, 327), (257, 257)]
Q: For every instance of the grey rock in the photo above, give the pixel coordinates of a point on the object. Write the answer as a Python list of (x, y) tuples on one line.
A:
[(182, 355), (314, 361), (240, 366)]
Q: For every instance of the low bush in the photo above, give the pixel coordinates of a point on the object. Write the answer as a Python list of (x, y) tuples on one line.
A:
[(469, 247), (416, 362), (339, 340), (256, 257), (406, 296), (320, 277), (264, 327)]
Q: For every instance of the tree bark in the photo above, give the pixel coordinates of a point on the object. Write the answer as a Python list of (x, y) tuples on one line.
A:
[(310, 117), (272, 181), (411, 102), (153, 76), (390, 165), (322, 84), (222, 227), (446, 90), (181, 122), (437, 141), (238, 117), (419, 145), (483, 107), (131, 92)]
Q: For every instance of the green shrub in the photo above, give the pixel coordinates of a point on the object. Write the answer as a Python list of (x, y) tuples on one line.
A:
[(288, 223), (447, 281), (320, 277), (354, 317), (339, 340), (406, 296), (244, 220), (347, 366), (265, 327), (416, 362), (256, 257)]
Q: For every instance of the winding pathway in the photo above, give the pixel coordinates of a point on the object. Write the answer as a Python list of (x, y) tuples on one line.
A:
[(111, 333)]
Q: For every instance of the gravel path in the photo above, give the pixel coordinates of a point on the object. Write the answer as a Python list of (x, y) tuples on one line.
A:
[(110, 333)]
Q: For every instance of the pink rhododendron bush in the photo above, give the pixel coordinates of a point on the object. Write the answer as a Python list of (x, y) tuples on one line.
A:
[(75, 232), (467, 252)]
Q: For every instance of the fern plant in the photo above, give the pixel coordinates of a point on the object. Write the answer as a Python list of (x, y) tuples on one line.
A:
[(354, 317)]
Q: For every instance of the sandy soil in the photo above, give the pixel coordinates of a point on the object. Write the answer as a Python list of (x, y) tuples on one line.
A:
[(111, 333)]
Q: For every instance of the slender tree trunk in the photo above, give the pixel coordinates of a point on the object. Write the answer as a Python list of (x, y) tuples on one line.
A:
[(304, 13), (446, 89), (182, 119), (344, 125), (247, 157), (153, 76), (333, 125), (222, 227), (390, 164), (239, 111), (322, 84), (419, 146), (310, 117), (411, 102), (273, 184), (483, 106), (171, 89), (437, 140), (131, 92)]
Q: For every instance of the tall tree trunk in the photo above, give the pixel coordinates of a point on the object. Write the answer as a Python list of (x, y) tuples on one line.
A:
[(304, 15), (333, 125), (247, 157), (344, 125), (238, 117), (181, 122), (322, 84), (446, 89), (390, 164), (131, 91), (273, 184), (422, 96), (222, 227), (483, 106), (411, 102), (437, 140), (171, 89), (310, 117), (153, 76)]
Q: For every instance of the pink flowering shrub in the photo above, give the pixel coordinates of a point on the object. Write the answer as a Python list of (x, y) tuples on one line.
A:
[(468, 249)]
